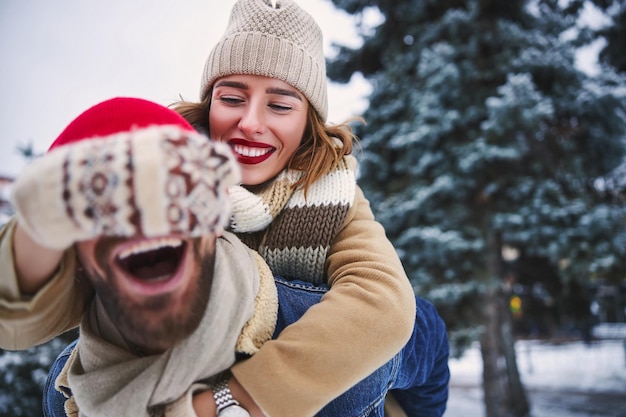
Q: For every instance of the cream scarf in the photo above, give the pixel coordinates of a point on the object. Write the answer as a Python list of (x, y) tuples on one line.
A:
[(107, 379)]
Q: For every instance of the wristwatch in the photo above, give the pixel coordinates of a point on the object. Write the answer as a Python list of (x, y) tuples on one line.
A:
[(227, 406)]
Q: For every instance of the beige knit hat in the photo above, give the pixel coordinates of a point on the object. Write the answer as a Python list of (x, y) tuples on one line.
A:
[(272, 38)]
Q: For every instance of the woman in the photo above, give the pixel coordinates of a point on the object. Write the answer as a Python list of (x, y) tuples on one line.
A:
[(264, 93)]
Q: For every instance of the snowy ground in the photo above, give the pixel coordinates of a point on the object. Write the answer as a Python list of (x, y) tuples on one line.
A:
[(562, 380)]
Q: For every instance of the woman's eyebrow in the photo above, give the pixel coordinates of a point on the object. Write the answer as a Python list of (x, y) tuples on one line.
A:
[(283, 92), (271, 90), (234, 84)]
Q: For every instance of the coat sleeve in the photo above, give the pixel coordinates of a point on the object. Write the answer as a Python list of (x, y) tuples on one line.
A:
[(365, 318), (26, 321)]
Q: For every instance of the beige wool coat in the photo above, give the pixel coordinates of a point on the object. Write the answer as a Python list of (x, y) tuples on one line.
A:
[(312, 362)]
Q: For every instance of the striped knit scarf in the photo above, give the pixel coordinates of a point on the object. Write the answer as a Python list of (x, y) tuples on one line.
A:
[(293, 232)]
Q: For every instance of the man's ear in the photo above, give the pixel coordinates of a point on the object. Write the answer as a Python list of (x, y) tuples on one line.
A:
[(81, 277), (80, 273)]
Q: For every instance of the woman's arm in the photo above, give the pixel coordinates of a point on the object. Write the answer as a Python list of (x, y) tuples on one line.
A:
[(362, 322), (39, 296)]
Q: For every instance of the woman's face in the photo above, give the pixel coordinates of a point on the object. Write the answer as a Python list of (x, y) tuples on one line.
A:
[(262, 119)]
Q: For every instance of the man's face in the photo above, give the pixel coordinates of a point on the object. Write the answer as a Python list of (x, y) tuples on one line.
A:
[(155, 290)]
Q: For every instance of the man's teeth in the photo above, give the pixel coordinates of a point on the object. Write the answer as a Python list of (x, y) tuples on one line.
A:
[(149, 245), (250, 152)]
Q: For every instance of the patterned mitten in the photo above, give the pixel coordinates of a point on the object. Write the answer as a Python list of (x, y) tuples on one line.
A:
[(143, 171)]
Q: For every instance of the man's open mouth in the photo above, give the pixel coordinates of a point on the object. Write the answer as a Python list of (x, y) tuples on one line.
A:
[(152, 261)]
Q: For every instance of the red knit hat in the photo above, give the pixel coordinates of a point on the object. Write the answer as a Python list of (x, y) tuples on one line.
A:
[(148, 173), (117, 115)]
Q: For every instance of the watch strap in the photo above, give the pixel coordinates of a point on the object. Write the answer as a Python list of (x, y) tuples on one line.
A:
[(222, 395)]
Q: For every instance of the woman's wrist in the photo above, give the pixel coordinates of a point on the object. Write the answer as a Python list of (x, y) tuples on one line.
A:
[(205, 406), (34, 264), (241, 395)]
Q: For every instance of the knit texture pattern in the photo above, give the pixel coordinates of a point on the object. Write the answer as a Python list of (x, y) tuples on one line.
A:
[(291, 231), (282, 42), (152, 181)]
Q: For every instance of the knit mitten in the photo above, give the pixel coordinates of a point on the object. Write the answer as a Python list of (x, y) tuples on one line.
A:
[(153, 181)]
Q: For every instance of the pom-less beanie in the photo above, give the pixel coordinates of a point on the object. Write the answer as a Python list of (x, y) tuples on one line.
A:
[(275, 39)]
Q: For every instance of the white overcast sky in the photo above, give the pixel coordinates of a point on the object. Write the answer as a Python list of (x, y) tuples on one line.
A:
[(59, 57)]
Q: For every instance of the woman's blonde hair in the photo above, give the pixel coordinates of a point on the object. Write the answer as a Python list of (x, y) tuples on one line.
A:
[(322, 147)]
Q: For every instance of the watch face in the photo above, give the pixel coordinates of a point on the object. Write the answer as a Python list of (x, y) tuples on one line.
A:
[(234, 411)]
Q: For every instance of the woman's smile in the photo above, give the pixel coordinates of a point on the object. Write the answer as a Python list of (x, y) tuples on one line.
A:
[(250, 153)]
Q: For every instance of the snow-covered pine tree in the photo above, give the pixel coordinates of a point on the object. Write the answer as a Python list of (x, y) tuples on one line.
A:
[(614, 34), (483, 134)]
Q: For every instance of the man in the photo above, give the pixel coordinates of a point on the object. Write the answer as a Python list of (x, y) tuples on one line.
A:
[(120, 228), (131, 200)]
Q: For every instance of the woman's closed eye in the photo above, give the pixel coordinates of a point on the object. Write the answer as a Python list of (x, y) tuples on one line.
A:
[(236, 101), (281, 108), (232, 100)]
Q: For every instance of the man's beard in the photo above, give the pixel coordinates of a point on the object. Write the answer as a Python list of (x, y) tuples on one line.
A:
[(145, 326)]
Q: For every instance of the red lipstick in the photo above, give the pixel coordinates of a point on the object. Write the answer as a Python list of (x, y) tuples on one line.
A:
[(251, 153)]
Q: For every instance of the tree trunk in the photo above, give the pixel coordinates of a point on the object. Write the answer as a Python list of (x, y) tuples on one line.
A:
[(504, 393), (503, 390)]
